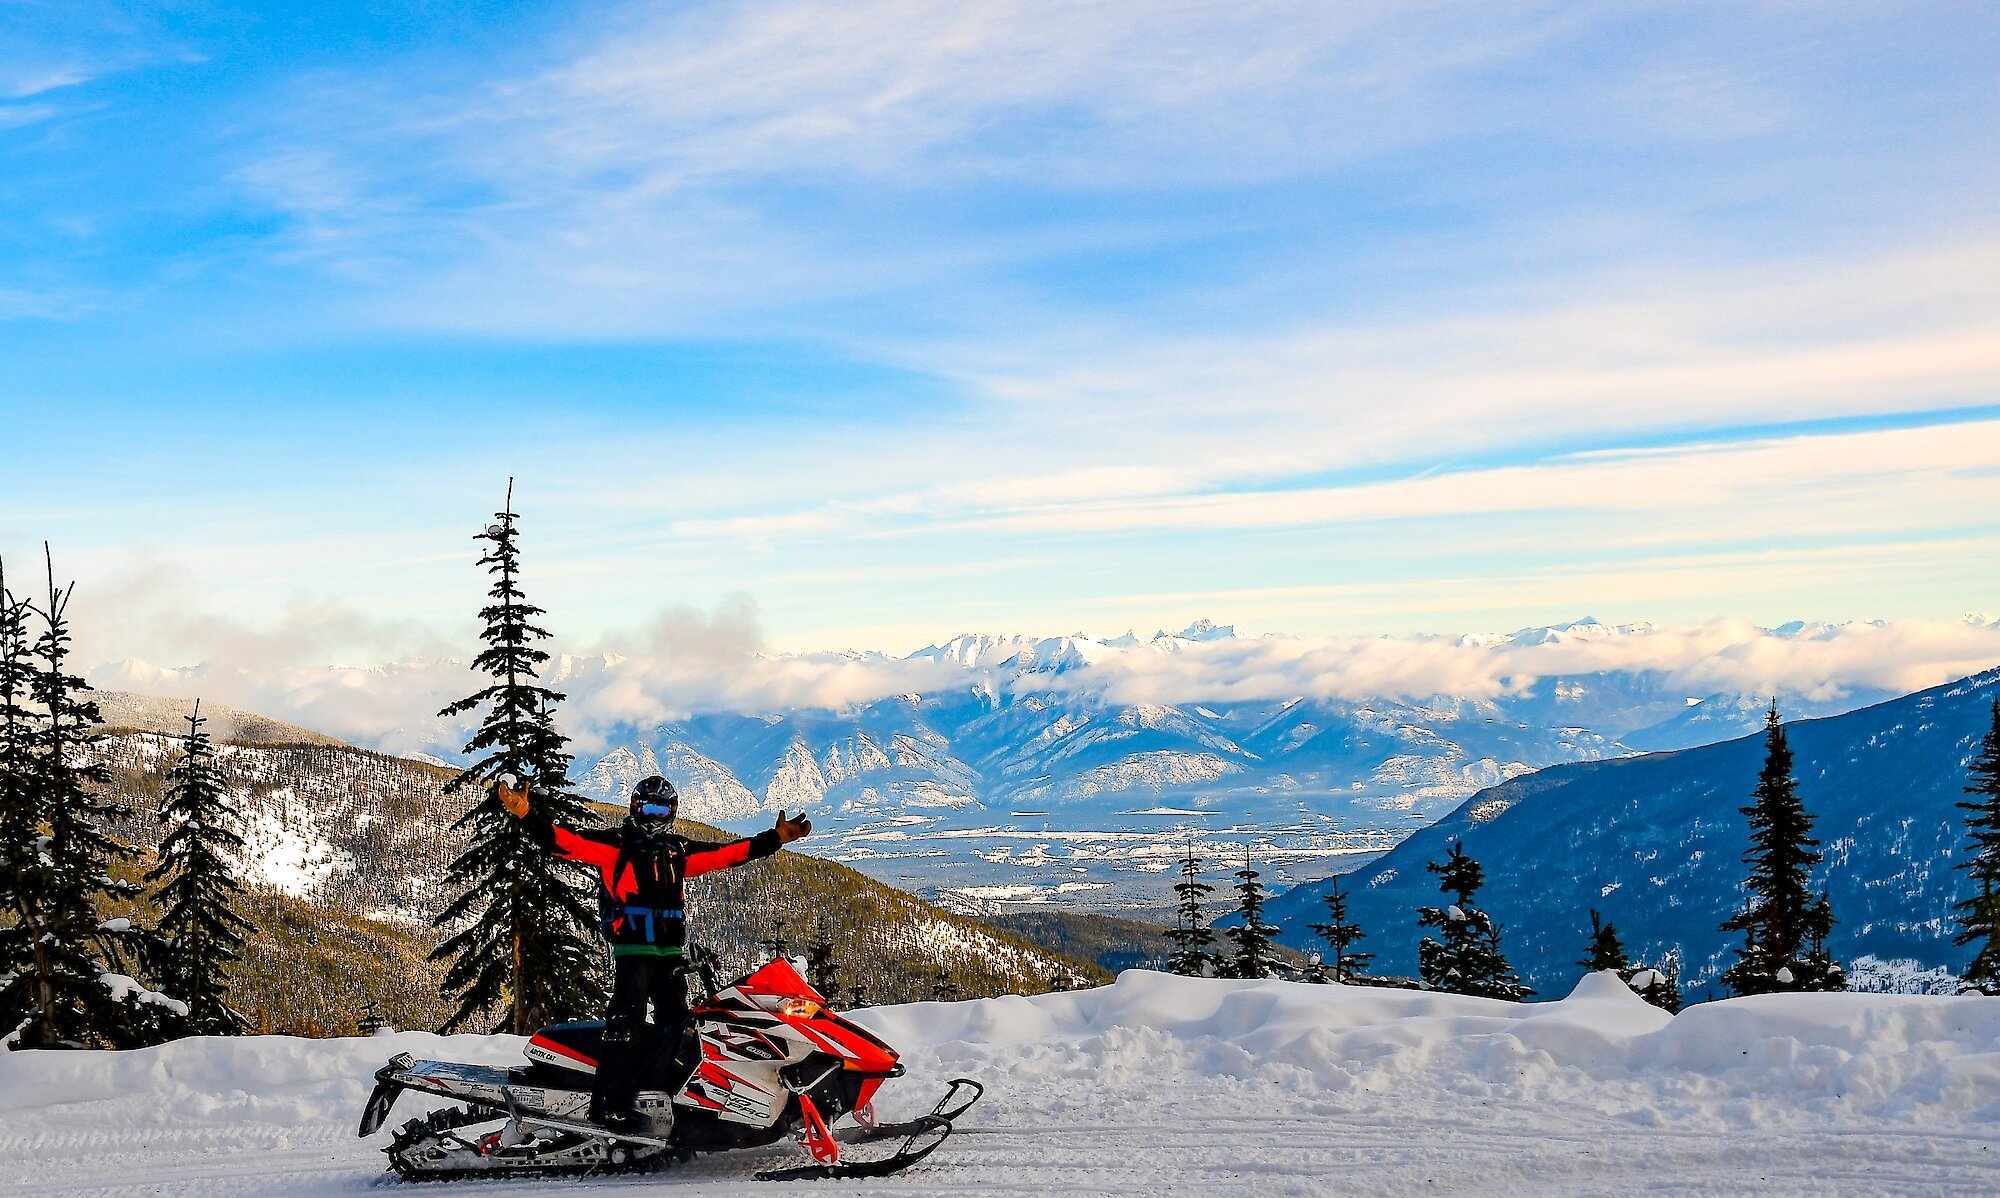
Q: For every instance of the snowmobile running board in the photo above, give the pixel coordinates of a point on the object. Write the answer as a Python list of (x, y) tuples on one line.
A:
[(921, 1137)]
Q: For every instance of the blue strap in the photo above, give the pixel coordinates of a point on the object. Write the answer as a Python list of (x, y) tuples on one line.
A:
[(648, 920)]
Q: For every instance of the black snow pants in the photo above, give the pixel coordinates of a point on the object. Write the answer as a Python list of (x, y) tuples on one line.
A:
[(638, 981)]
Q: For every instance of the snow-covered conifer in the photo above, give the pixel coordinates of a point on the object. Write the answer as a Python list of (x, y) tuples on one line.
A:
[(522, 929), (200, 929), (1979, 913), (1784, 928), (1467, 960), (1255, 954), (1190, 934), (1340, 933)]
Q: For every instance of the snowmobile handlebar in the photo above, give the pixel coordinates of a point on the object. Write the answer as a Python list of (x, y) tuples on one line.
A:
[(704, 961)]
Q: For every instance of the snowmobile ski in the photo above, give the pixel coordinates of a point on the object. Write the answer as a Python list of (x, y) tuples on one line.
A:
[(948, 1108), (930, 1132)]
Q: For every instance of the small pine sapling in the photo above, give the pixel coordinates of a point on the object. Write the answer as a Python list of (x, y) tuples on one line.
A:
[(1190, 934), (1255, 952), (1341, 933)]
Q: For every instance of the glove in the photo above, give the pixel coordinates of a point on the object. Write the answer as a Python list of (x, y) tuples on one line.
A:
[(513, 795), (792, 829)]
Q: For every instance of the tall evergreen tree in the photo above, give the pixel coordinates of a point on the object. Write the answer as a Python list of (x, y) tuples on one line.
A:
[(1784, 926), (72, 986), (1191, 934), (1341, 933), (21, 876), (522, 929), (1255, 950), (201, 928), (1467, 960), (1979, 913)]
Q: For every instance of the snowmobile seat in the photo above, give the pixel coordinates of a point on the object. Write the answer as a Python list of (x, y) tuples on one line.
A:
[(572, 1048)]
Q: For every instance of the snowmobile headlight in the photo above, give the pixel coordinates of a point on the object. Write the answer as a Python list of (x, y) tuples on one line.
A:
[(798, 1008)]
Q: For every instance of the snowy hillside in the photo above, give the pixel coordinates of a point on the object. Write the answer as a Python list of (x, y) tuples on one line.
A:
[(1173, 1086), (1656, 844), (367, 835)]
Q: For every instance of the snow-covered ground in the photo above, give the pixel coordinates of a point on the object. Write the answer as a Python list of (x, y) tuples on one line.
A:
[(1161, 1085)]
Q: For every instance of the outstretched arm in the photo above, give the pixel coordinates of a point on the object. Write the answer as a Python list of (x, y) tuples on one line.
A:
[(736, 852), (546, 832)]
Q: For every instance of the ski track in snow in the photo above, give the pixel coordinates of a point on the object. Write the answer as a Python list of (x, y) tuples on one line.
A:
[(1167, 1086)]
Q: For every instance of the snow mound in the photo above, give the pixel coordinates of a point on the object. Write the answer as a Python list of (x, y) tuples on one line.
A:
[(1169, 1086)]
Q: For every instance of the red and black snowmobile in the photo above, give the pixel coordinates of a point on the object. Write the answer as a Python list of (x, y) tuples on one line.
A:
[(762, 1059)]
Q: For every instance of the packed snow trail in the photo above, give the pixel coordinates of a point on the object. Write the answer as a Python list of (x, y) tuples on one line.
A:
[(1169, 1086)]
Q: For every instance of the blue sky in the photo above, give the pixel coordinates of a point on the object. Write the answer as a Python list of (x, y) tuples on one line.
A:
[(869, 322)]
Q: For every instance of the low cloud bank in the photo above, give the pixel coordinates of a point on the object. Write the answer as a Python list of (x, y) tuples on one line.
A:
[(689, 662), (1818, 662)]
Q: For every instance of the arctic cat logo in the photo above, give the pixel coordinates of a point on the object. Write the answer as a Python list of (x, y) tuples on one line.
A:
[(743, 1104)]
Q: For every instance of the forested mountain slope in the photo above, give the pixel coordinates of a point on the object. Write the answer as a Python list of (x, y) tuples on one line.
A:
[(1656, 843), (358, 840)]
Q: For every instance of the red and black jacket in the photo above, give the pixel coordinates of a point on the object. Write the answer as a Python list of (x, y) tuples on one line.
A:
[(641, 876)]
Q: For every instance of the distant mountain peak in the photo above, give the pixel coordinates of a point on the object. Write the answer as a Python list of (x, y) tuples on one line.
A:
[(1197, 632)]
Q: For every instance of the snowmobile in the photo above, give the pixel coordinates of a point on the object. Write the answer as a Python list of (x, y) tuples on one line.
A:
[(762, 1058)]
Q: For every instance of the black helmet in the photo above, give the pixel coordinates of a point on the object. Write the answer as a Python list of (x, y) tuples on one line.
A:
[(654, 805)]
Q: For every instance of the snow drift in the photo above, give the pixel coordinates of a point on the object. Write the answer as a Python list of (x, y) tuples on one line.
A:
[(1179, 1086)]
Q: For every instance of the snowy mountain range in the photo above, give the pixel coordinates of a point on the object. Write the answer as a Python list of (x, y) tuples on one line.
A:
[(1024, 785), (1656, 842), (1005, 770)]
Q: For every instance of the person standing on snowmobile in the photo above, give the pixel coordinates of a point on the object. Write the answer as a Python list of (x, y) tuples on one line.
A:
[(641, 865)]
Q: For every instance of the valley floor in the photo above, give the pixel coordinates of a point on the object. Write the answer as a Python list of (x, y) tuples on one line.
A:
[(1170, 1086)]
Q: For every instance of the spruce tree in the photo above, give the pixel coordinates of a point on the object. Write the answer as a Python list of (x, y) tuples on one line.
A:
[(1979, 913), (1660, 987), (1468, 959), (821, 970), (20, 817), (1784, 926), (1191, 934), (1665, 993), (522, 931), (1605, 951), (1341, 933), (1255, 954), (71, 986), (201, 928)]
